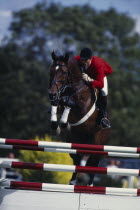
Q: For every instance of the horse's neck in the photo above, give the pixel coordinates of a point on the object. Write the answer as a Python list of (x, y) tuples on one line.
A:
[(84, 96), (75, 73)]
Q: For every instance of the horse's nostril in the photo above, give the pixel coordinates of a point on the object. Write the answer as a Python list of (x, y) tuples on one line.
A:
[(52, 96)]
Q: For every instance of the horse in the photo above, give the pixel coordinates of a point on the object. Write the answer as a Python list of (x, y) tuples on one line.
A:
[(76, 101)]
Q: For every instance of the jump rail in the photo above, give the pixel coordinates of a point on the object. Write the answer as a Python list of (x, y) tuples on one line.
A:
[(69, 188), (70, 168), (70, 151), (41, 144)]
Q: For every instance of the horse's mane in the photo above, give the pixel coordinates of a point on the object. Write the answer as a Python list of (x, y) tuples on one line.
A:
[(72, 61), (74, 67)]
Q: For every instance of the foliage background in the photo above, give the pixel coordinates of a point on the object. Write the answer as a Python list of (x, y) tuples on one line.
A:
[(47, 158)]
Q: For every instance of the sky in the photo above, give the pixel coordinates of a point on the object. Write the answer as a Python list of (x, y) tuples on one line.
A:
[(131, 7)]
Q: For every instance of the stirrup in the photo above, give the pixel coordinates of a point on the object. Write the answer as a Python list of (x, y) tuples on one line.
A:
[(105, 123)]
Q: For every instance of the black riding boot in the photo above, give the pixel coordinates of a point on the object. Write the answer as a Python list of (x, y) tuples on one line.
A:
[(103, 119)]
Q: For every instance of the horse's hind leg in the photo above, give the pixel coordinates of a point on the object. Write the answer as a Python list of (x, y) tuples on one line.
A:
[(101, 138), (76, 161), (92, 161)]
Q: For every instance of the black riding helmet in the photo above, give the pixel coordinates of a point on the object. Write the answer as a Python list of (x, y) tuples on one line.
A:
[(86, 53)]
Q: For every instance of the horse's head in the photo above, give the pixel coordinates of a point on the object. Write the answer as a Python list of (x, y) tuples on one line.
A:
[(58, 76)]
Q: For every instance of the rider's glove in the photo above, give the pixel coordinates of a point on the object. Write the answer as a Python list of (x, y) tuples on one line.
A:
[(86, 78)]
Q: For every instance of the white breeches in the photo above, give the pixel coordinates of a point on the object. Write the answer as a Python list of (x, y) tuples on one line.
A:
[(104, 90)]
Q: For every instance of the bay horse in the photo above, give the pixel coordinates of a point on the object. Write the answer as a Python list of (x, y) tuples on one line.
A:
[(76, 101)]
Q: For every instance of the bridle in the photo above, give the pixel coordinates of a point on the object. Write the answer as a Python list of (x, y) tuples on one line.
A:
[(66, 83)]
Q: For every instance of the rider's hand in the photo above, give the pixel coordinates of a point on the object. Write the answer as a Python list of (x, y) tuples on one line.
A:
[(86, 78)]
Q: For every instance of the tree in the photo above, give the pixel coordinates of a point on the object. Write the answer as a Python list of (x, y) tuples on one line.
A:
[(24, 98)]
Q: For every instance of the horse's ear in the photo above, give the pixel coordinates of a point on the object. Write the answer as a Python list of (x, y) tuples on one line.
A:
[(53, 56), (66, 57)]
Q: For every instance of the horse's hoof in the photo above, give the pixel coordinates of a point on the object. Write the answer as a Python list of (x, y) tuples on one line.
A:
[(82, 179), (54, 125), (58, 131), (69, 127), (65, 126), (72, 182)]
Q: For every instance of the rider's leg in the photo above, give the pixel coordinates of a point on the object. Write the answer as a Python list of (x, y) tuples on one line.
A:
[(104, 122)]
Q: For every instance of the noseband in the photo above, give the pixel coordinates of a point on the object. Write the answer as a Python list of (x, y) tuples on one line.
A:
[(63, 82)]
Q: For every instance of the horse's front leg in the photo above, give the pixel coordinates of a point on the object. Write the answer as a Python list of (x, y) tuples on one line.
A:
[(64, 117), (54, 124)]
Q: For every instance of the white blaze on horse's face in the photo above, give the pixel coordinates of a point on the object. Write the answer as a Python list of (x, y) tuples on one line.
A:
[(57, 67)]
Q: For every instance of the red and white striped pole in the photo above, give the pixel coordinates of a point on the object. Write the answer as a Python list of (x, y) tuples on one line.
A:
[(69, 188), (70, 168), (70, 151), (69, 145)]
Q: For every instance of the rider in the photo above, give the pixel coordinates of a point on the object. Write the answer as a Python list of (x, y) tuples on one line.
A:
[(95, 71)]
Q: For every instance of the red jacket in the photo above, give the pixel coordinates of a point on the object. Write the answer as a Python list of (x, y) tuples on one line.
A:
[(97, 70)]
